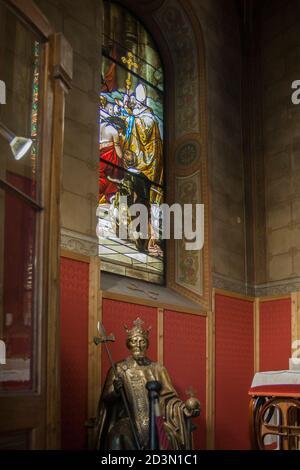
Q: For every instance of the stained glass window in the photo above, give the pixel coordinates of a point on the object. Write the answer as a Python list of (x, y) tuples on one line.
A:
[(130, 148)]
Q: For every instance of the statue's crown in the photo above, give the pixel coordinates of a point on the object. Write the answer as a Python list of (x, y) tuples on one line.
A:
[(137, 329)]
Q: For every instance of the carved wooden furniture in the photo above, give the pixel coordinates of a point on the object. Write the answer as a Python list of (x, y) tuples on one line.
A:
[(274, 415)]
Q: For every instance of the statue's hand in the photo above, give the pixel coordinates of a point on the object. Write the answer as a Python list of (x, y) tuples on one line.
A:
[(192, 407), (118, 384)]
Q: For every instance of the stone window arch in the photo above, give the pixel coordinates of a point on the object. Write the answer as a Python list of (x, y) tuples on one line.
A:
[(178, 36)]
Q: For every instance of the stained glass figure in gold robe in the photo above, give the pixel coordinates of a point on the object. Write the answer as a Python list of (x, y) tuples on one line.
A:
[(144, 139)]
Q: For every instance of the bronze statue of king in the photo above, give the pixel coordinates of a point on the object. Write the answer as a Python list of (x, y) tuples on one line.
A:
[(118, 428)]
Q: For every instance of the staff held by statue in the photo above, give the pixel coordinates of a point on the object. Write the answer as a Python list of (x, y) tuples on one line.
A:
[(103, 338)]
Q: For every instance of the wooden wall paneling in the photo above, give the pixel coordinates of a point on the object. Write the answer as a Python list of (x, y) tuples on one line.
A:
[(94, 352), (275, 332), (256, 334), (294, 316), (74, 357), (234, 363), (61, 63), (210, 376), (232, 295), (297, 326), (151, 303), (267, 298), (185, 360), (47, 94), (74, 255), (94, 316), (29, 12), (295, 312)]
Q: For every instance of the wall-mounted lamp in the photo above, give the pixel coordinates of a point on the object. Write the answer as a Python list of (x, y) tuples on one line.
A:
[(19, 145)]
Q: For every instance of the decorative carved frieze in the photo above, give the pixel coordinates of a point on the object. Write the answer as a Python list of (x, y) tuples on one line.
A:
[(275, 288), (78, 243)]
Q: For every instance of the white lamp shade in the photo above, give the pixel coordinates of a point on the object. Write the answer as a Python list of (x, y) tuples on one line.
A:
[(20, 146)]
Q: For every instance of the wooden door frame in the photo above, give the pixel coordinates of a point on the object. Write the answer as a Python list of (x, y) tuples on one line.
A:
[(56, 81)]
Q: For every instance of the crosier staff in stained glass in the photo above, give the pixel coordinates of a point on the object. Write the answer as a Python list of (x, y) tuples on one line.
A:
[(128, 103), (129, 61)]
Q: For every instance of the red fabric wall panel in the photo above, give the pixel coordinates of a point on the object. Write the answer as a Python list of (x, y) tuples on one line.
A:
[(234, 337), (185, 360), (274, 334), (74, 352), (115, 315)]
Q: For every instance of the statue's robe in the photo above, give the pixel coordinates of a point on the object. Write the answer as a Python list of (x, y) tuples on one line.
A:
[(113, 427)]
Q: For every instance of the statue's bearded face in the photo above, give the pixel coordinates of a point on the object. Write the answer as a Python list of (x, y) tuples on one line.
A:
[(138, 346)]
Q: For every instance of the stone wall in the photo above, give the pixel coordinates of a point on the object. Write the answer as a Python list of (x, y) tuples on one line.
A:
[(280, 65), (221, 31), (265, 200), (80, 22), (276, 24), (220, 27)]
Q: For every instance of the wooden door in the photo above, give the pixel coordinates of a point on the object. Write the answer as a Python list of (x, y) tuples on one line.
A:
[(35, 66)]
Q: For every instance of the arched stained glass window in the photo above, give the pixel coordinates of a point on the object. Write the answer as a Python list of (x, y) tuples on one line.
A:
[(131, 148)]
